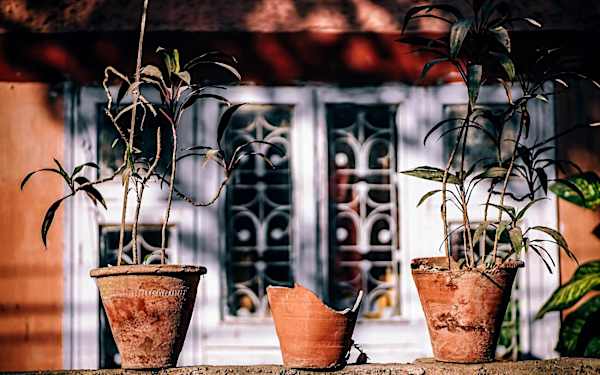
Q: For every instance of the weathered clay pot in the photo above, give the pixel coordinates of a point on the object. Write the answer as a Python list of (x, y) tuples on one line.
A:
[(464, 308), (311, 334), (149, 308)]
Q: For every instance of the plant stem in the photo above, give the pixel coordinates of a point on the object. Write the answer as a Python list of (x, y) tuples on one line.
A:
[(444, 195), (466, 222), (195, 203), (485, 217), (506, 179), (129, 146), (170, 198), (141, 193), (102, 180)]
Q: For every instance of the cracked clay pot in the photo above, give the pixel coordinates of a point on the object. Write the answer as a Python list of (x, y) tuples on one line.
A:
[(149, 308), (311, 334), (464, 309)]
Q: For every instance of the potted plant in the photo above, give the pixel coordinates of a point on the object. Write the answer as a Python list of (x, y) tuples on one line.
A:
[(311, 334), (464, 295), (149, 306), (579, 335)]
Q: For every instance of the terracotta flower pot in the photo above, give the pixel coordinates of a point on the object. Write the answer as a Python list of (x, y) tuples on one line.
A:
[(149, 308), (464, 308), (311, 334)]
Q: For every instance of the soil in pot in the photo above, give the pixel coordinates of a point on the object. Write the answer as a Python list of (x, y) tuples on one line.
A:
[(149, 308), (311, 334), (464, 308)]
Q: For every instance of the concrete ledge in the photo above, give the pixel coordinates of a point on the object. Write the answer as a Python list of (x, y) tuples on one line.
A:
[(419, 367)]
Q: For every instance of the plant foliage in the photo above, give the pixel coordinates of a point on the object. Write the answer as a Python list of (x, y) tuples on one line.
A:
[(478, 45), (582, 189), (179, 86), (580, 331)]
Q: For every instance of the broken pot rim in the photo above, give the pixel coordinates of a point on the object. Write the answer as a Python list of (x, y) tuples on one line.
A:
[(511, 264), (146, 269), (346, 311)]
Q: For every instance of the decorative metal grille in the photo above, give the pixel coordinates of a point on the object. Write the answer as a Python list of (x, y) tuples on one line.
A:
[(258, 211), (363, 209), (148, 241)]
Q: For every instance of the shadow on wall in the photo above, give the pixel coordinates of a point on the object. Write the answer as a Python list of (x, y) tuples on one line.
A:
[(276, 42), (31, 280)]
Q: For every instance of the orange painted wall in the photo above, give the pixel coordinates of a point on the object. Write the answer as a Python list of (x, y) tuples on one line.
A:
[(31, 280), (580, 106)]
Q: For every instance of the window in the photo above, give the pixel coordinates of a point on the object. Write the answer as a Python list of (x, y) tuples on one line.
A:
[(258, 210), (363, 207)]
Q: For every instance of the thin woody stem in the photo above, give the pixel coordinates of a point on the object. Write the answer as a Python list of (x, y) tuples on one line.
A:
[(505, 184), (170, 198), (195, 203), (128, 148), (444, 195), (204, 204), (142, 187), (485, 218), (467, 240), (102, 180)]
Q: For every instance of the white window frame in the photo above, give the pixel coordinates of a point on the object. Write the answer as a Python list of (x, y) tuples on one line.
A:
[(214, 338)]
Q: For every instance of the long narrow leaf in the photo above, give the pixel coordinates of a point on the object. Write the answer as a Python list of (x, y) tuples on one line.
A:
[(79, 168), (227, 67), (30, 174), (521, 213), (458, 33), (430, 65), (432, 174), (509, 210), (426, 196), (417, 9), (224, 122), (49, 218), (571, 292), (474, 75), (439, 125), (94, 195), (560, 240)]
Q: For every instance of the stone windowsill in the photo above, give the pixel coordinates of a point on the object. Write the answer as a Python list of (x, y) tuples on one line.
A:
[(419, 367)]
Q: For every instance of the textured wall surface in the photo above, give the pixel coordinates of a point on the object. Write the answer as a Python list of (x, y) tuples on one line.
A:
[(31, 287), (419, 367), (262, 15)]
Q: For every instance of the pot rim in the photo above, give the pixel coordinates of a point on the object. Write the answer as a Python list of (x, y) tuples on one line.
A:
[(146, 269), (509, 265), (346, 311)]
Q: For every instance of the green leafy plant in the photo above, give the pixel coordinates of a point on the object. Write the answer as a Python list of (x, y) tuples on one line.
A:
[(179, 86), (588, 184), (478, 47), (580, 331)]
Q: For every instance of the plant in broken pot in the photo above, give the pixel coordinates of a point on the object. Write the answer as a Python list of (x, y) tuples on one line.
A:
[(149, 306), (579, 332), (464, 294)]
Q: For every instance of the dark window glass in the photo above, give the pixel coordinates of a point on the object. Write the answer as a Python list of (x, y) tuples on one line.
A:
[(363, 209), (258, 210)]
